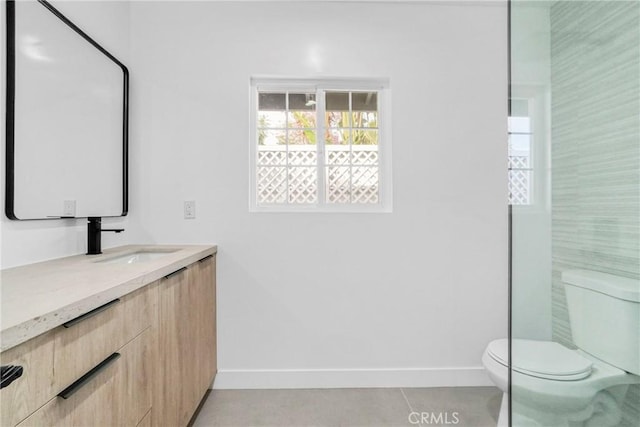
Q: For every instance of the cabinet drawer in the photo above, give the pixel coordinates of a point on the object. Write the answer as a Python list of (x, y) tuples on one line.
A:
[(35, 387), (119, 394), (82, 345)]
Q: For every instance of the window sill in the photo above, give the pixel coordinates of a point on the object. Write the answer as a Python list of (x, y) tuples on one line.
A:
[(378, 208)]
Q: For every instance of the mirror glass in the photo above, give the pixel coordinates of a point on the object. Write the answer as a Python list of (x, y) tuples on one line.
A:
[(66, 121)]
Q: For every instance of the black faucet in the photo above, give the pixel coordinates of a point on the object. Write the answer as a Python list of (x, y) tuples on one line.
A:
[(94, 235)]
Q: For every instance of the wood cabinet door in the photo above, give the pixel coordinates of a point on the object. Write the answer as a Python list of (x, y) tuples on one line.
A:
[(186, 341), (174, 339), (204, 284)]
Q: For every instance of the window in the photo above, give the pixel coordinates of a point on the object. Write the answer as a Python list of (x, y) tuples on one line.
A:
[(520, 154), (320, 145)]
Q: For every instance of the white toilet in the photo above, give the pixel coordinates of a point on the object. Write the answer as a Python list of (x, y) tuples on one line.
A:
[(553, 385)]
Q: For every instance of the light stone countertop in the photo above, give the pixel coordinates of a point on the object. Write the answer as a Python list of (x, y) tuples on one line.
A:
[(36, 298)]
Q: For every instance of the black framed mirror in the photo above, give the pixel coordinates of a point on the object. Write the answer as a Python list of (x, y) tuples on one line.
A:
[(66, 119)]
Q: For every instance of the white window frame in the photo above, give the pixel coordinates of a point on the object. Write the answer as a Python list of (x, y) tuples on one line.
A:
[(379, 85), (540, 135), (532, 190)]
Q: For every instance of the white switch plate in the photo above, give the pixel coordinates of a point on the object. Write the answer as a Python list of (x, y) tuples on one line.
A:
[(69, 208), (189, 209)]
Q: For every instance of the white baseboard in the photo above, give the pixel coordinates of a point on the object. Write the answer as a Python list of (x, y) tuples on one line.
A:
[(351, 378)]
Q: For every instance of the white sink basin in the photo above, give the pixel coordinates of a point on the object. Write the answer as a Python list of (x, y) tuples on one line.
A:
[(135, 257)]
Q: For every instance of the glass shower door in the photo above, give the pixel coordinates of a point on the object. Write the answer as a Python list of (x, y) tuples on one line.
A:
[(574, 184)]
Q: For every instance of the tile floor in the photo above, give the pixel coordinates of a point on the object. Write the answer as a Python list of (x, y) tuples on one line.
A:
[(372, 407)]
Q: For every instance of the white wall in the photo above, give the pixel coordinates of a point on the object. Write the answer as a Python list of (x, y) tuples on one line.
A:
[(24, 242), (313, 300)]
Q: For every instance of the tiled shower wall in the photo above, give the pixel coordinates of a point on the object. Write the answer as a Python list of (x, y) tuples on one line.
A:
[(595, 115)]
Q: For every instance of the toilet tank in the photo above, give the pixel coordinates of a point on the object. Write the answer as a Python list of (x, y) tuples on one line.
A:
[(604, 312)]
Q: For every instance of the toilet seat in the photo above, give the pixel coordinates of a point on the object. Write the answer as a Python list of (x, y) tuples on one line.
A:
[(541, 359), (544, 394)]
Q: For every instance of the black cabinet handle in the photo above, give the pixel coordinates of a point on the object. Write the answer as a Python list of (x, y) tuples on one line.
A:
[(69, 391), (91, 313), (175, 272), (206, 258), (9, 374)]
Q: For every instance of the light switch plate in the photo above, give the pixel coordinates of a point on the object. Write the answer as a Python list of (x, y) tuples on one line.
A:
[(189, 209)]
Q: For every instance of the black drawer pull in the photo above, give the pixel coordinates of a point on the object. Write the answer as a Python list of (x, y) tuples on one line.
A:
[(175, 272), (91, 313), (206, 258), (9, 374), (69, 391)]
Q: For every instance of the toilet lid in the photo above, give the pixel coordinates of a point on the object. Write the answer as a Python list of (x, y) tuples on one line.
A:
[(542, 359)]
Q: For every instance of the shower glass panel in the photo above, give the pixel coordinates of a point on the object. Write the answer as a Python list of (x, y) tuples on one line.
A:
[(574, 190)]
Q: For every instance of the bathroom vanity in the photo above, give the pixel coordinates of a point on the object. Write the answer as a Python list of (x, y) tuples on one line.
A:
[(123, 338)]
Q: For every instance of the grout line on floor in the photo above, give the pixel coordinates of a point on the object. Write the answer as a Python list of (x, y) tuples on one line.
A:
[(406, 400)]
